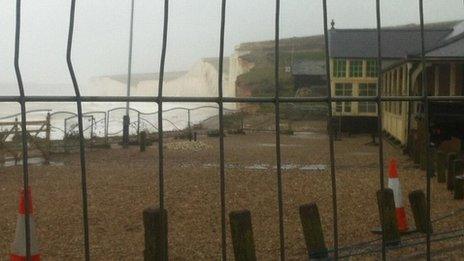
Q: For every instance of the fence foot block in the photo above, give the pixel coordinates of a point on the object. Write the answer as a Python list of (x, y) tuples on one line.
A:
[(242, 235), (419, 210), (387, 211), (143, 141), (156, 234), (459, 187), (450, 165), (313, 233)]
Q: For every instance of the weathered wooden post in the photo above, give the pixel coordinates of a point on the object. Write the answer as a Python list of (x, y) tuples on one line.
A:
[(242, 235), (432, 161), (47, 139), (143, 141), (458, 168), (125, 131), (423, 156), (195, 136), (189, 125), (441, 166), (387, 210), (419, 210), (312, 230), (138, 124), (417, 151), (107, 122), (459, 187), (156, 234), (450, 178), (421, 143)]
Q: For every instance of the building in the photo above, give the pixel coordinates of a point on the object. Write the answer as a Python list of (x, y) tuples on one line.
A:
[(353, 63), (310, 77), (444, 69)]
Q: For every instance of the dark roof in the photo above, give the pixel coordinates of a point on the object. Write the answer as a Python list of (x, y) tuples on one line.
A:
[(452, 46), (454, 49), (309, 67), (396, 43)]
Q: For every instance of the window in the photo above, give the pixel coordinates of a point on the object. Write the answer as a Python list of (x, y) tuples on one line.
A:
[(371, 68), (343, 89), (356, 68), (367, 89), (339, 69)]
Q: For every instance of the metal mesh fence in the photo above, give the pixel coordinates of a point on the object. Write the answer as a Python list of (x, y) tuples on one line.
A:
[(80, 122)]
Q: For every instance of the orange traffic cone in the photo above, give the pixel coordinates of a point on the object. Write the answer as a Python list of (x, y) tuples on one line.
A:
[(18, 248), (394, 184)]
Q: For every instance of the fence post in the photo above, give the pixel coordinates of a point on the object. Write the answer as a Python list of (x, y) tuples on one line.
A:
[(143, 141), (107, 115), (417, 150), (459, 187), (92, 125), (387, 212), (47, 138), (65, 137), (242, 122), (419, 210), (458, 171), (125, 131), (431, 164), (189, 125), (138, 123), (156, 243), (312, 230), (450, 178), (441, 166), (242, 235)]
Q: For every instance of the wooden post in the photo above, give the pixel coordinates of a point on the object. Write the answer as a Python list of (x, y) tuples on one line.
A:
[(156, 234), (417, 151), (450, 178), (242, 235), (432, 164), (312, 230), (195, 136), (47, 139), (125, 131), (143, 141), (388, 223), (458, 167), (441, 166), (419, 210), (459, 187)]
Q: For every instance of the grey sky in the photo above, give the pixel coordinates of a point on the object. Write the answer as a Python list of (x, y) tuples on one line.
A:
[(101, 37)]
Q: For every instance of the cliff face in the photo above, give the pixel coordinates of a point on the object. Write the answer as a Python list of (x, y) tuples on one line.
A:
[(200, 80)]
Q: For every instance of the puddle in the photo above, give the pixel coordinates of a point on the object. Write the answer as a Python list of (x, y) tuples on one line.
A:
[(36, 161), (362, 153), (310, 135), (262, 166), (281, 145), (258, 167), (319, 167)]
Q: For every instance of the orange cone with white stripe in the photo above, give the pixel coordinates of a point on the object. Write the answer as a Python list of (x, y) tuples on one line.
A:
[(394, 184), (18, 247)]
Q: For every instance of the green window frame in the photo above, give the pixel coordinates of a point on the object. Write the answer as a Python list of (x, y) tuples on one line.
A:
[(343, 89), (371, 68), (367, 89), (356, 68), (339, 69)]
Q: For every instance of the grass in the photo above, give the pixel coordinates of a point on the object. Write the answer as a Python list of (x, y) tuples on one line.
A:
[(261, 78)]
